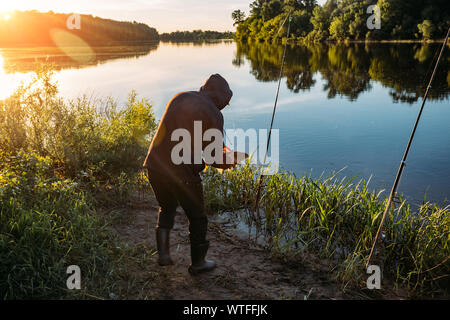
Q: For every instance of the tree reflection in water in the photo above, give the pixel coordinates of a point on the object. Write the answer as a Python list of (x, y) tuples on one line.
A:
[(350, 69)]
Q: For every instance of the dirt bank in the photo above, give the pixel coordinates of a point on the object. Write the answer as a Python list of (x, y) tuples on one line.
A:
[(244, 271)]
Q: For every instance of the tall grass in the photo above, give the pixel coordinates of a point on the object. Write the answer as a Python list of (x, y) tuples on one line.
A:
[(59, 162), (337, 219), (91, 140), (46, 225)]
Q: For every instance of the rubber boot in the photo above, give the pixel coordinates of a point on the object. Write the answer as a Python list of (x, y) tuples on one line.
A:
[(199, 264), (162, 244)]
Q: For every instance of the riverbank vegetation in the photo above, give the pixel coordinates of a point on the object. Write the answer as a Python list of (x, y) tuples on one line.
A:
[(25, 28), (196, 35), (61, 163), (337, 218), (339, 20)]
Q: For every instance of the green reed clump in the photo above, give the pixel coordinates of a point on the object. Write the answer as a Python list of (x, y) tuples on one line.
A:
[(338, 219), (232, 190)]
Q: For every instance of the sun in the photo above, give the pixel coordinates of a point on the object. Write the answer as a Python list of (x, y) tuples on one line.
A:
[(5, 16)]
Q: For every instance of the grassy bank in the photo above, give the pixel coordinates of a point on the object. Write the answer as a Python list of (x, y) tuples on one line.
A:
[(62, 163), (47, 224), (337, 219)]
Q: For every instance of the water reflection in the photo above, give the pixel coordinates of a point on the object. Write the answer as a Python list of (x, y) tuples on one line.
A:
[(23, 60), (349, 70), (199, 43)]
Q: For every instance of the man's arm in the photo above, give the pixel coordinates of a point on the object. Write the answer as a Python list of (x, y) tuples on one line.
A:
[(228, 161), (223, 165), (237, 157)]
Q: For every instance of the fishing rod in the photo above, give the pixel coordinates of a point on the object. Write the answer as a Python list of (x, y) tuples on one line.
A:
[(258, 193), (405, 156)]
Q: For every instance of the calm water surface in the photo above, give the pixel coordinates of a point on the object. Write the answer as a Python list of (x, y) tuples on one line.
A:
[(340, 106)]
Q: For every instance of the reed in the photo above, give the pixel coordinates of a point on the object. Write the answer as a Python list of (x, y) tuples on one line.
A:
[(337, 218)]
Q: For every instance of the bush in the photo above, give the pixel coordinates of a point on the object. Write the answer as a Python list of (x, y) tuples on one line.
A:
[(426, 28), (317, 36), (57, 160), (78, 136)]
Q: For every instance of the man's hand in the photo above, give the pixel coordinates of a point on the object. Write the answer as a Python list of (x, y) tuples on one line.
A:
[(240, 156), (231, 159)]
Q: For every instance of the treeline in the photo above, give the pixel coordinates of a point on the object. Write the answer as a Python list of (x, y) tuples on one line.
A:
[(196, 35), (38, 28), (343, 20)]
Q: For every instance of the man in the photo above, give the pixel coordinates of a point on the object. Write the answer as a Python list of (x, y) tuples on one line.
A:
[(174, 183)]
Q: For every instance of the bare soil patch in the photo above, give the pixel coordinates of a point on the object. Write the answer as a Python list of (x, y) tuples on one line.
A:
[(244, 270)]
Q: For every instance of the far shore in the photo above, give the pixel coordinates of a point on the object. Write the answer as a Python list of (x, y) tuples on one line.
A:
[(291, 41), (301, 41)]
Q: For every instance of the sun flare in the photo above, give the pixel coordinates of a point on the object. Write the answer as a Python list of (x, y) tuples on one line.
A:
[(6, 16)]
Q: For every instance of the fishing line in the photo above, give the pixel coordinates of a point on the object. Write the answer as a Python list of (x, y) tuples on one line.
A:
[(278, 90), (430, 66), (405, 156), (281, 27), (258, 193)]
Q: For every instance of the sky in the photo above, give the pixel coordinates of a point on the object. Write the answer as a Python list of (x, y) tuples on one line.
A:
[(164, 15)]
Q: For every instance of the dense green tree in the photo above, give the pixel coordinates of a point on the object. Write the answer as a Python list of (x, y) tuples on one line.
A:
[(238, 16), (271, 28), (309, 5), (256, 8), (196, 35), (301, 24), (338, 28), (292, 5), (320, 19), (426, 28), (347, 19), (271, 9)]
